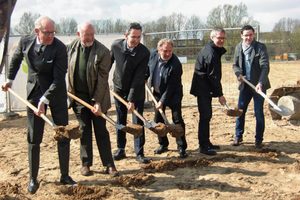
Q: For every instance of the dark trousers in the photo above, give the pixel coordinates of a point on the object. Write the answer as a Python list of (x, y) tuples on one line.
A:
[(122, 119), (177, 119), (35, 130), (85, 118), (244, 99), (205, 114)]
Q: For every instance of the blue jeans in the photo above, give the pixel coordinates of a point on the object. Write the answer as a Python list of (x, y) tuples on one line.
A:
[(244, 99)]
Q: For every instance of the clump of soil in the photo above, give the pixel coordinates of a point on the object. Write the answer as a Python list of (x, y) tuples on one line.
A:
[(69, 131), (84, 192), (9, 191), (160, 129), (136, 180), (267, 153), (175, 130), (134, 129), (170, 165)]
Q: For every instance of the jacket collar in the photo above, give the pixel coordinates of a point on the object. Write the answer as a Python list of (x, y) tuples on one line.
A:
[(219, 50)]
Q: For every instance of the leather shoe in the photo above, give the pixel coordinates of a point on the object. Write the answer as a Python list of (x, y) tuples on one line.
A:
[(211, 146), (237, 142), (67, 180), (208, 152), (182, 153), (33, 186), (258, 145), (112, 171), (142, 159), (119, 155), (85, 171), (161, 149)]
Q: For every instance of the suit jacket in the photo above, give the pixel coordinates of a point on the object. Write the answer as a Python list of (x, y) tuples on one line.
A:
[(170, 85), (98, 66), (259, 65), (47, 71), (208, 72), (130, 70)]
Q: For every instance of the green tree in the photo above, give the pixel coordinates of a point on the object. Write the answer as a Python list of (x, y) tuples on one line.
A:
[(295, 42), (26, 24)]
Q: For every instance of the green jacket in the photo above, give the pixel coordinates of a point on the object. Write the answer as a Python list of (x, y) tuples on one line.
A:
[(98, 67)]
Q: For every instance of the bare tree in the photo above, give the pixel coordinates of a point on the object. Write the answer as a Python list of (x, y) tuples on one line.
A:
[(229, 16), (68, 26), (286, 24), (26, 24)]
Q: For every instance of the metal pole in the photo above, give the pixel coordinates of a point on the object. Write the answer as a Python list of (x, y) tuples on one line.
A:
[(8, 105)]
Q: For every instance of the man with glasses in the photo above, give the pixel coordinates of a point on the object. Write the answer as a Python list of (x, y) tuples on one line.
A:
[(46, 58), (131, 58), (89, 65), (206, 84), (251, 61)]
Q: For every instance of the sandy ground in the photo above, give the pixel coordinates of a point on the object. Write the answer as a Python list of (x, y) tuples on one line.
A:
[(234, 173)]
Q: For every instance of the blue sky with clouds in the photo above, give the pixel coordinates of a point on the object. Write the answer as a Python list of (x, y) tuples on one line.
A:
[(267, 12)]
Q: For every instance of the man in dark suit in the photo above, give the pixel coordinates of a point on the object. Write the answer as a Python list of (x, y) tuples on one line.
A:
[(131, 59), (46, 58), (251, 61), (206, 84), (89, 65), (165, 70)]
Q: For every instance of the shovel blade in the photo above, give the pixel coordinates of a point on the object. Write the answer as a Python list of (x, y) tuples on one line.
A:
[(282, 110)]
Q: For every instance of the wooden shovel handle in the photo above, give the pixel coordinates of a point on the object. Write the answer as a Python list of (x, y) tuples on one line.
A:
[(89, 106), (155, 102), (31, 107), (126, 104)]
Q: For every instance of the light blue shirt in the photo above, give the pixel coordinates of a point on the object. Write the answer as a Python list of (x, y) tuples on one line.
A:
[(157, 74)]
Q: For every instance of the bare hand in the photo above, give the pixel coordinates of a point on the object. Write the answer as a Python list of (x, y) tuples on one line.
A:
[(96, 109), (130, 106), (240, 78), (40, 109), (5, 86), (159, 105), (258, 87), (222, 100)]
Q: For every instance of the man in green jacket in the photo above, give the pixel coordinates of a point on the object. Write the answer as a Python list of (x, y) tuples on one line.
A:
[(89, 65)]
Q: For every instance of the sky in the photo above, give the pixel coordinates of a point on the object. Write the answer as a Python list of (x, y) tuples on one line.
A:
[(266, 12)]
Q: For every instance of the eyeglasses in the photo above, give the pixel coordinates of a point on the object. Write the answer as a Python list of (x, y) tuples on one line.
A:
[(220, 38), (47, 33), (88, 35), (250, 35)]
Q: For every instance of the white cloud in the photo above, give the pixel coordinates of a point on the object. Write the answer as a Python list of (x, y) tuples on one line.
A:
[(267, 12)]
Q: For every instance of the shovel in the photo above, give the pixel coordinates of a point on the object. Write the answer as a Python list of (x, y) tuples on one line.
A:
[(134, 129), (234, 112), (69, 131), (282, 110), (175, 130), (158, 128)]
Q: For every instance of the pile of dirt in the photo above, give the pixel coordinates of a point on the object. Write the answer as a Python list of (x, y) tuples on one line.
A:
[(84, 192), (137, 180), (171, 165)]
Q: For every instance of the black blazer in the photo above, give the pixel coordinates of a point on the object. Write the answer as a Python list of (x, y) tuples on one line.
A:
[(130, 69), (46, 71), (170, 85)]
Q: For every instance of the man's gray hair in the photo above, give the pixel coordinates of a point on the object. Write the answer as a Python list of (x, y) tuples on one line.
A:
[(216, 30), (37, 23), (165, 41), (81, 26)]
